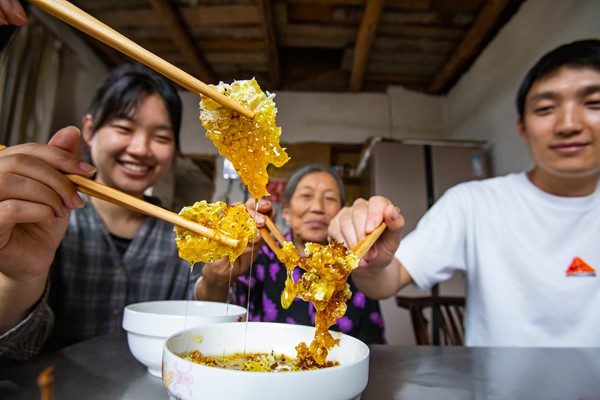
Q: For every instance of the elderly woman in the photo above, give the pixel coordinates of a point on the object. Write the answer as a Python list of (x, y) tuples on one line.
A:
[(314, 194)]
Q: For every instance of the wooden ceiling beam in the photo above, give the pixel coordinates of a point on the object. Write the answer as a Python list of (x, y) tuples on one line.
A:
[(364, 42), (469, 47), (267, 23), (183, 39)]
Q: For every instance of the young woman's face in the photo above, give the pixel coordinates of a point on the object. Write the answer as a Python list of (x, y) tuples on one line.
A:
[(561, 125), (313, 205), (133, 153)]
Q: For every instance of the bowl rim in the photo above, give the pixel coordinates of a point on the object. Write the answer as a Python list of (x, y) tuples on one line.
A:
[(135, 316), (139, 307), (280, 325)]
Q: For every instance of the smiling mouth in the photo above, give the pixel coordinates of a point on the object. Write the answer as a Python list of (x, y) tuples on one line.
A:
[(316, 224), (135, 167)]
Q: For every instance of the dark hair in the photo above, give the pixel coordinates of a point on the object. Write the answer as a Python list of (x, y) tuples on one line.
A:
[(301, 172), (120, 94), (582, 53)]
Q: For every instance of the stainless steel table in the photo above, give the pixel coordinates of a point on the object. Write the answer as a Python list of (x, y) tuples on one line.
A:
[(103, 368)]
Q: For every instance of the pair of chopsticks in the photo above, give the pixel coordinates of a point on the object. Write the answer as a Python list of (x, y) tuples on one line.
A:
[(106, 193), (272, 233), (79, 19)]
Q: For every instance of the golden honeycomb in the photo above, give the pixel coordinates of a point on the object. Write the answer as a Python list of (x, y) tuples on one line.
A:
[(234, 222), (250, 145), (325, 284)]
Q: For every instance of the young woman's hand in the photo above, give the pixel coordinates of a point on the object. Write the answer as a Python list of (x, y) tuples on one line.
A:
[(12, 13)]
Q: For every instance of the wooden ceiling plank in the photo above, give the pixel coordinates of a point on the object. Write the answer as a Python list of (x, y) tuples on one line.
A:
[(407, 4), (364, 42), (420, 32), (469, 46), (419, 45), (454, 6), (129, 18), (268, 26), (314, 13), (183, 39), (222, 15), (226, 45)]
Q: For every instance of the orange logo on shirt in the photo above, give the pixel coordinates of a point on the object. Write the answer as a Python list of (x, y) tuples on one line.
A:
[(579, 267)]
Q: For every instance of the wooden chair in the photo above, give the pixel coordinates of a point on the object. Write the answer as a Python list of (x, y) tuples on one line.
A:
[(450, 311)]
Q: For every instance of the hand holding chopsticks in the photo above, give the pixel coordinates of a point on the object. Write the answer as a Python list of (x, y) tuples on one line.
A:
[(77, 18), (106, 193)]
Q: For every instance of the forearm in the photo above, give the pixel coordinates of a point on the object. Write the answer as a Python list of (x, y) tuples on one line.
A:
[(17, 298), (211, 290), (381, 283), (219, 276)]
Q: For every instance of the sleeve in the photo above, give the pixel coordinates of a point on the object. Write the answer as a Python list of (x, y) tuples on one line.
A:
[(437, 247), (25, 340)]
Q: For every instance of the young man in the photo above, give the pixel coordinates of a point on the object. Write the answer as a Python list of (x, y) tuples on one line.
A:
[(527, 242)]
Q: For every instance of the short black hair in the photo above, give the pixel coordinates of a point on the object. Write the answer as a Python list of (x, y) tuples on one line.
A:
[(121, 92), (301, 172), (581, 53)]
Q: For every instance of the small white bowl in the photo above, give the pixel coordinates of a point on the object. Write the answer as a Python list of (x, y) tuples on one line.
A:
[(149, 324), (186, 380)]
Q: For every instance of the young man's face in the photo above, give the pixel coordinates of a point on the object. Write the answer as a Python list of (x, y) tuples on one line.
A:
[(561, 124)]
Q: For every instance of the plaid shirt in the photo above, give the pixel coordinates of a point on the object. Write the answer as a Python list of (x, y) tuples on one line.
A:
[(91, 283)]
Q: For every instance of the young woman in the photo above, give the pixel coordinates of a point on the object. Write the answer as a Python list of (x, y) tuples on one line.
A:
[(69, 264)]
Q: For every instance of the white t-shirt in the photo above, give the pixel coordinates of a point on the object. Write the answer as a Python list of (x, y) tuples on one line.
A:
[(516, 245)]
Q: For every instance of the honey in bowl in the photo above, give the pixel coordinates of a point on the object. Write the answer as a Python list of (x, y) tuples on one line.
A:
[(256, 362), (187, 380)]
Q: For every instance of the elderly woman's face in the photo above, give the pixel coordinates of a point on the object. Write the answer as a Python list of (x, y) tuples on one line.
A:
[(313, 205)]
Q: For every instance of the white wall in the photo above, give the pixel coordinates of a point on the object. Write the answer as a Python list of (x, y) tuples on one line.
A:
[(321, 117), (415, 115)]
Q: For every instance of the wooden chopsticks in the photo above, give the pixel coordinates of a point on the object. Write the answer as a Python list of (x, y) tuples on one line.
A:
[(79, 19), (103, 192), (265, 233), (359, 250), (364, 245)]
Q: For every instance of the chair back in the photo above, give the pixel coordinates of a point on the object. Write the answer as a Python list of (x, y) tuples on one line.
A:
[(450, 316)]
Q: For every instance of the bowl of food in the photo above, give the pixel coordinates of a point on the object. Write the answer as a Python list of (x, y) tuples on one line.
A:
[(149, 324), (267, 353)]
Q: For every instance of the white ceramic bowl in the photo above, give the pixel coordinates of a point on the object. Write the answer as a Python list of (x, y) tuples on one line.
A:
[(186, 380), (149, 324)]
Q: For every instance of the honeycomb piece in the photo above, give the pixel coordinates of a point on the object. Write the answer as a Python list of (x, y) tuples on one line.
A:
[(325, 284), (234, 222), (250, 145)]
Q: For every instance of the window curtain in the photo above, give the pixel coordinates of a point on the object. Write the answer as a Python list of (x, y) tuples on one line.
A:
[(29, 74)]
